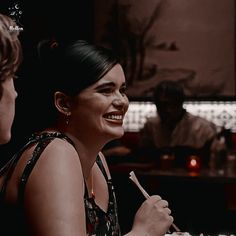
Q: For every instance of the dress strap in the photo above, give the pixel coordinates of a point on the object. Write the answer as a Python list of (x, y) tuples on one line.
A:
[(9, 167), (43, 140), (101, 166), (30, 165)]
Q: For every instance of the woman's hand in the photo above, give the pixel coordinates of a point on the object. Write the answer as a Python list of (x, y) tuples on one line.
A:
[(152, 218)]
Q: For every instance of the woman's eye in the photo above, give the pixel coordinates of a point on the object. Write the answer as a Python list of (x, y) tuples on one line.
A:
[(106, 91)]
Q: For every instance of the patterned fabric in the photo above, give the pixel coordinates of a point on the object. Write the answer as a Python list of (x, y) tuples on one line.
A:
[(98, 222), (102, 223)]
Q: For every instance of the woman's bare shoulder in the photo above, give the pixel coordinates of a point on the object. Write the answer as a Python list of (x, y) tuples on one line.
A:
[(56, 185), (60, 155), (61, 147)]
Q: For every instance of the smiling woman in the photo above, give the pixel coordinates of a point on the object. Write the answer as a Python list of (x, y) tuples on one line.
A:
[(103, 106), (65, 187)]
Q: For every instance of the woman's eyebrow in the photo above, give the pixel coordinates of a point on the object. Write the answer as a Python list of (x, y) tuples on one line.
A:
[(108, 84)]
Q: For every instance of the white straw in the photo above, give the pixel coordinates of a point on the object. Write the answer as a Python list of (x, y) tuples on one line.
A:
[(135, 180), (145, 194)]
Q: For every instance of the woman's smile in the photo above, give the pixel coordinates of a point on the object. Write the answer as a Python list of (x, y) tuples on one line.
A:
[(114, 117)]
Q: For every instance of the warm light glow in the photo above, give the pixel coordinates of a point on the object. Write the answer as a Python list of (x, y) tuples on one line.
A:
[(193, 163)]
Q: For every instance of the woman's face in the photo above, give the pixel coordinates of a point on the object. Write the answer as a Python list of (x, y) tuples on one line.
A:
[(7, 109), (98, 111)]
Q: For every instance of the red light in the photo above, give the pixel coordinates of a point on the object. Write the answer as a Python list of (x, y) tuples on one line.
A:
[(193, 163)]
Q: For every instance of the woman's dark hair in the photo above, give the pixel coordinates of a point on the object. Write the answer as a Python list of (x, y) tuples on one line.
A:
[(69, 67), (170, 89)]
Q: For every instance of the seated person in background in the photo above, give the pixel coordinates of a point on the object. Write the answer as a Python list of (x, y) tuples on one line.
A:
[(174, 130)]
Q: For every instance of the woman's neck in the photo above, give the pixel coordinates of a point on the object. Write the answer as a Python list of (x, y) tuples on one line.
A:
[(86, 146), (87, 151)]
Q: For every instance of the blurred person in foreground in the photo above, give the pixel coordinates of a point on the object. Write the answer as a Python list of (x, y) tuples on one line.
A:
[(59, 182), (10, 59), (175, 131)]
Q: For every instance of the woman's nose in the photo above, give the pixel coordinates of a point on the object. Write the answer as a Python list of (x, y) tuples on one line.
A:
[(120, 100)]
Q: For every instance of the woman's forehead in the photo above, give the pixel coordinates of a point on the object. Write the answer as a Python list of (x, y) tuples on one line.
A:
[(115, 75)]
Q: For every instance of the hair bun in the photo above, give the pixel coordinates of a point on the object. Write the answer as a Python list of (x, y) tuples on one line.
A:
[(54, 44), (46, 48)]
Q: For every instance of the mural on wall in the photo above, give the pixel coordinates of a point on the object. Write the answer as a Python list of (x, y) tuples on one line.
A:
[(191, 41)]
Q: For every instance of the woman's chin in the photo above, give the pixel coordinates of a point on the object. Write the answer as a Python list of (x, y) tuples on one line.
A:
[(118, 133)]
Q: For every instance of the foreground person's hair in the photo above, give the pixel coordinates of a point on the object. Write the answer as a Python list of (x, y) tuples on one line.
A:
[(10, 47)]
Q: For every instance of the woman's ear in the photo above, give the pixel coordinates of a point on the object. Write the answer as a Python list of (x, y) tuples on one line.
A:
[(62, 103)]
